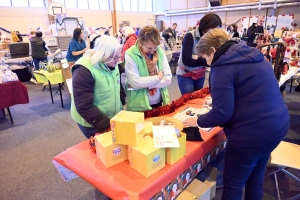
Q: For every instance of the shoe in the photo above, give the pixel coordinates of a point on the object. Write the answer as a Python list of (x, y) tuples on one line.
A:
[(33, 81)]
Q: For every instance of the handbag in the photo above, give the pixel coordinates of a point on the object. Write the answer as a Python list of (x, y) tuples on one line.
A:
[(194, 74)]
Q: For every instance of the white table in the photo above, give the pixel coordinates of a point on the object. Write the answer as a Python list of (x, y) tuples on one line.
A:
[(292, 71)]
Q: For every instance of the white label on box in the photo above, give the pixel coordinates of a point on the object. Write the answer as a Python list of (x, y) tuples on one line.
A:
[(165, 137), (139, 127)]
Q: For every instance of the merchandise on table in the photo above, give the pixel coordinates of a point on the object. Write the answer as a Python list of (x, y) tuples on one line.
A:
[(110, 154), (167, 121), (145, 158), (127, 128)]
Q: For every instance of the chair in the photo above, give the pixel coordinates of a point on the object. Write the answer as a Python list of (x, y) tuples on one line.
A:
[(284, 156), (293, 78)]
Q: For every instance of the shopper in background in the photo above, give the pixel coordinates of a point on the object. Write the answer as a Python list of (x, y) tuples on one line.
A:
[(233, 31), (170, 34), (246, 101), (96, 87), (191, 68), (130, 39), (92, 39), (107, 30), (77, 46), (253, 30), (148, 72), (19, 36), (14, 37)]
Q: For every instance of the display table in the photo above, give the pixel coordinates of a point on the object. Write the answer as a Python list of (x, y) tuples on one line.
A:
[(292, 71), (56, 77), (123, 182), (12, 93)]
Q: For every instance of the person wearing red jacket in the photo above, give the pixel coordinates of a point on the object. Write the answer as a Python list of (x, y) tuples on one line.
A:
[(130, 39)]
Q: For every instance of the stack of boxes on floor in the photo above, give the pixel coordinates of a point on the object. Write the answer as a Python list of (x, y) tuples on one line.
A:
[(131, 139)]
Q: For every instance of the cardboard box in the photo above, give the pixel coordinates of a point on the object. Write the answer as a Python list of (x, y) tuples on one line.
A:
[(157, 120), (145, 158), (175, 154), (110, 154), (200, 190), (127, 128), (185, 195), (148, 129), (207, 176)]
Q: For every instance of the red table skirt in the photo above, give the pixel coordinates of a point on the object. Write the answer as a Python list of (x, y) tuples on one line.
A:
[(12, 93)]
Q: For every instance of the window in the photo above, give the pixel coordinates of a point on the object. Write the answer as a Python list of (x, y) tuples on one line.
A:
[(94, 4), (5, 3), (134, 5), (36, 3), (103, 4), (70, 4), (126, 5), (142, 5), (149, 6), (83, 4), (118, 4), (19, 3)]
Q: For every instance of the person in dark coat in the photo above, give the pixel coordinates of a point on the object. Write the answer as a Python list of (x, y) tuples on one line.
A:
[(251, 33), (170, 33), (233, 31), (19, 36), (247, 103)]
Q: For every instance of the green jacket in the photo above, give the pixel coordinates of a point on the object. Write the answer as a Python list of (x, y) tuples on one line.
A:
[(106, 91), (137, 100)]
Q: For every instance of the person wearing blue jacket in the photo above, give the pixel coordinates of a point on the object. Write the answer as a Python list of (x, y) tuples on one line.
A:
[(247, 103)]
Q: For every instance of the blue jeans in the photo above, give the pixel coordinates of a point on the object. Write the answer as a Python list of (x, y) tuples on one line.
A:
[(36, 62), (245, 166), (87, 131), (187, 85)]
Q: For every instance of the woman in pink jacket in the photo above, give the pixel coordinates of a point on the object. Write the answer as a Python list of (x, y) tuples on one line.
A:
[(130, 39)]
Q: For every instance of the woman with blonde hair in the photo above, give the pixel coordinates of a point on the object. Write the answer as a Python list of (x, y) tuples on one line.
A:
[(246, 101), (96, 87), (130, 39), (148, 72)]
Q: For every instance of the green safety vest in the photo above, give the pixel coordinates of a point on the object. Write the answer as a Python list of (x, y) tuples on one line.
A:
[(137, 100), (106, 91)]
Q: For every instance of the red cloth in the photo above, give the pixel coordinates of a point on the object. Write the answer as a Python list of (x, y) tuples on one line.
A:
[(12, 93), (130, 41), (121, 181)]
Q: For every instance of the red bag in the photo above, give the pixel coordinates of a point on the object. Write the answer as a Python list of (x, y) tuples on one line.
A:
[(195, 74)]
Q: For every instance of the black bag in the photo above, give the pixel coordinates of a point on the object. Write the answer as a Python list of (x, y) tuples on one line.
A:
[(297, 88)]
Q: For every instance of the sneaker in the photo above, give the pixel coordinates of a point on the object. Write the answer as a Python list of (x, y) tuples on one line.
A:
[(33, 81)]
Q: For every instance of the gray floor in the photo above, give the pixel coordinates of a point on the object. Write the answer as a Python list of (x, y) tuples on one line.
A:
[(43, 130)]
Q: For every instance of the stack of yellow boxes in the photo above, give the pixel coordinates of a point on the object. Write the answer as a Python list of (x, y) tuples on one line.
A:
[(131, 138)]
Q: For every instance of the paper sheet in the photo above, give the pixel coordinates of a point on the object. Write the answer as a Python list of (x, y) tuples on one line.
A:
[(165, 137), (69, 84)]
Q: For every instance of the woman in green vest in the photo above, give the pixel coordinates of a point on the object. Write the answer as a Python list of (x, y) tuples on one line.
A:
[(148, 72), (96, 87)]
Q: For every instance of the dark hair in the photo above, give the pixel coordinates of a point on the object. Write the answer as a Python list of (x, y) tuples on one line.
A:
[(235, 27), (149, 33), (209, 21), (174, 24), (92, 43), (18, 31), (39, 34), (76, 34)]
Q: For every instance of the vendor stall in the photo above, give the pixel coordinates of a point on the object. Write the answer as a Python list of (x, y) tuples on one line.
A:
[(123, 182)]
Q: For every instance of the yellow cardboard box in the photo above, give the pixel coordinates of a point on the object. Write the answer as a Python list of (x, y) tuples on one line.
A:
[(148, 129), (185, 195), (145, 158), (167, 120), (127, 128), (110, 154), (175, 154)]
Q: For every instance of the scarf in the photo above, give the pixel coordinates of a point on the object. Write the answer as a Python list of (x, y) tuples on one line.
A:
[(151, 65)]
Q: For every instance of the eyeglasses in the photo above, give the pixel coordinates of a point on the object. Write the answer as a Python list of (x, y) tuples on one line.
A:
[(150, 49), (115, 58)]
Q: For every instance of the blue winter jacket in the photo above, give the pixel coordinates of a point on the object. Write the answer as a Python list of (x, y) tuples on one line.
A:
[(246, 97)]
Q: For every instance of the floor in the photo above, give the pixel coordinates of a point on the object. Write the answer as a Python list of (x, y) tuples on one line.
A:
[(43, 130)]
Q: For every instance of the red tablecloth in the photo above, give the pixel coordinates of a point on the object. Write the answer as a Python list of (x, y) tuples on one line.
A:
[(123, 182), (12, 93)]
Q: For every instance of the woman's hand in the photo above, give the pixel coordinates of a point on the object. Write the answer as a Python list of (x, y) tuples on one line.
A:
[(160, 75), (195, 57), (190, 122)]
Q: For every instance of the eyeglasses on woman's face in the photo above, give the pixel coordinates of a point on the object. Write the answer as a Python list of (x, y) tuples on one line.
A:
[(149, 46)]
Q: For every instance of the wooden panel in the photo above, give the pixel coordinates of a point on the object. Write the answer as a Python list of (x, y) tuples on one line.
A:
[(235, 1), (181, 22), (192, 19), (163, 5), (196, 3), (234, 16), (178, 4)]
